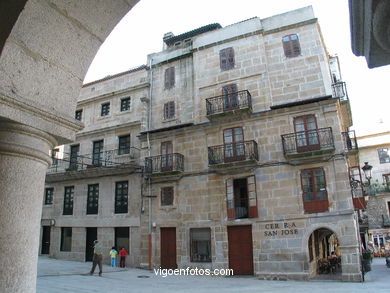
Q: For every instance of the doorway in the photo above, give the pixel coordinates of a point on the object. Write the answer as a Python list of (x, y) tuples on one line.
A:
[(45, 245), (168, 248), (91, 236), (240, 247)]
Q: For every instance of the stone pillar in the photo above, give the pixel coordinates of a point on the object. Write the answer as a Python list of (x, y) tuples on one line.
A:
[(24, 158)]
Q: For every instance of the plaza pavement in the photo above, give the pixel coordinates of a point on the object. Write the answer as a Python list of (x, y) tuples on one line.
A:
[(60, 276)]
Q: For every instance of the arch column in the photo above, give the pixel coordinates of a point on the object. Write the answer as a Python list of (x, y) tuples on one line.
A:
[(24, 158)]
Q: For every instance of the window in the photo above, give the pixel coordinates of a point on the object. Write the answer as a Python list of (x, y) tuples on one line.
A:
[(68, 200), (78, 115), (169, 110), (121, 197), (124, 145), (167, 196), (291, 45), (315, 197), (54, 160), (105, 109), (230, 97), (125, 104), (74, 154), (97, 153), (66, 239), (166, 156), (93, 199), (241, 198), (200, 245), (169, 80), (234, 147), (383, 154), (306, 133), (49, 195), (226, 58)]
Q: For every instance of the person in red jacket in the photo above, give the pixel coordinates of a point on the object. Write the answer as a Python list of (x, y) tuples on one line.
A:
[(122, 262)]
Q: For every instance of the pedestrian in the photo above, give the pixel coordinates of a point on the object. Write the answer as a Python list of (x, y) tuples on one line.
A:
[(122, 262), (97, 257), (113, 254)]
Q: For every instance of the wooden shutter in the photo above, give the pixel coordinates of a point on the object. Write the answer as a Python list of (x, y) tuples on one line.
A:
[(230, 199), (252, 197)]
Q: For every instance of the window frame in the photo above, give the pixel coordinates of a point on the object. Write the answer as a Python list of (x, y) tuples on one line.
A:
[(105, 109), (291, 47), (169, 110), (78, 114), (307, 134), (227, 59), (167, 196), (169, 77), (121, 195), (125, 104), (49, 192), (315, 205), (124, 146), (68, 200), (93, 199), (194, 248), (383, 156)]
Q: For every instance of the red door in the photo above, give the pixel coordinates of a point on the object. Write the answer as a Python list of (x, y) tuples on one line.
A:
[(240, 249), (168, 248), (166, 156), (306, 133), (233, 140)]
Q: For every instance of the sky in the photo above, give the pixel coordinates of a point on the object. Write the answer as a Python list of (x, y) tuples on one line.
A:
[(141, 31)]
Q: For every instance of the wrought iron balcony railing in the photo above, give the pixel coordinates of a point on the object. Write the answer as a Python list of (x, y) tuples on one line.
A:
[(62, 162), (164, 163), (339, 90), (350, 141), (386, 221), (308, 141), (229, 102), (233, 152)]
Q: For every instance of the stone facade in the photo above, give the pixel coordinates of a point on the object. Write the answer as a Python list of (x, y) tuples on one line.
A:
[(214, 167)]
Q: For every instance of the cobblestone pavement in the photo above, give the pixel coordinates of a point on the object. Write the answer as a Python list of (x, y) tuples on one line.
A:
[(59, 276)]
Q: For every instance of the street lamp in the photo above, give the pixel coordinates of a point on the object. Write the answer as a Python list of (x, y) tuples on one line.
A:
[(367, 172)]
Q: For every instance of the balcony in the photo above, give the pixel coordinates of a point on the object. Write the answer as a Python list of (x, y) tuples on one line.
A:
[(339, 90), (164, 165), (233, 155), (65, 166), (231, 103), (306, 145), (385, 221), (350, 142)]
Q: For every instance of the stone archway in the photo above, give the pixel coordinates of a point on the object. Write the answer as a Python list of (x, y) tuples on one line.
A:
[(324, 254), (46, 47)]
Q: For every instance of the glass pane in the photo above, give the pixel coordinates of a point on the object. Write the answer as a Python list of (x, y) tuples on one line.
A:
[(238, 136), (227, 136), (312, 137), (310, 122)]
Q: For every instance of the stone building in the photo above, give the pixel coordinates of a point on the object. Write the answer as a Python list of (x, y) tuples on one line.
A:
[(245, 154)]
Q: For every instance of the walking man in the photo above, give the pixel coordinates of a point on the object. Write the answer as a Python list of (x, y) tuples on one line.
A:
[(97, 257)]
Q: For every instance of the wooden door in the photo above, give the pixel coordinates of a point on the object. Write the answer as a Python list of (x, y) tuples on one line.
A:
[(45, 245), (233, 139), (306, 133), (166, 156), (168, 248), (91, 236), (240, 249)]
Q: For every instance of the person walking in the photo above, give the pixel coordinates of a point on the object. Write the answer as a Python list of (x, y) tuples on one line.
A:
[(122, 262), (113, 254), (97, 257)]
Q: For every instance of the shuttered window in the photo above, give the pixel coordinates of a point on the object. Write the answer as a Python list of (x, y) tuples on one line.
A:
[(226, 58), (315, 196), (169, 79), (169, 110), (291, 46)]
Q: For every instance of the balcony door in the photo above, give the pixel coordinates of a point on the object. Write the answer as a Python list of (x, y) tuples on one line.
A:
[(230, 98), (233, 140), (97, 153), (74, 154), (166, 156), (306, 133)]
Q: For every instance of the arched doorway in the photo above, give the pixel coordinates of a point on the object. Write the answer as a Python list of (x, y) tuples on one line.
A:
[(324, 254)]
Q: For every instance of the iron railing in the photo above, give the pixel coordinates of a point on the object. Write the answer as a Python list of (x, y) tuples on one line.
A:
[(241, 208), (350, 141), (233, 152), (62, 162), (386, 221), (339, 90), (308, 141), (164, 163), (229, 102)]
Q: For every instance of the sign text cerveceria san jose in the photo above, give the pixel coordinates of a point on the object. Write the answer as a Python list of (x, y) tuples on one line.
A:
[(280, 229)]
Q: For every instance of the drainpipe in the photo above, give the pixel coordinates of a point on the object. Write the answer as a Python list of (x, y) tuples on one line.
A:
[(150, 248)]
